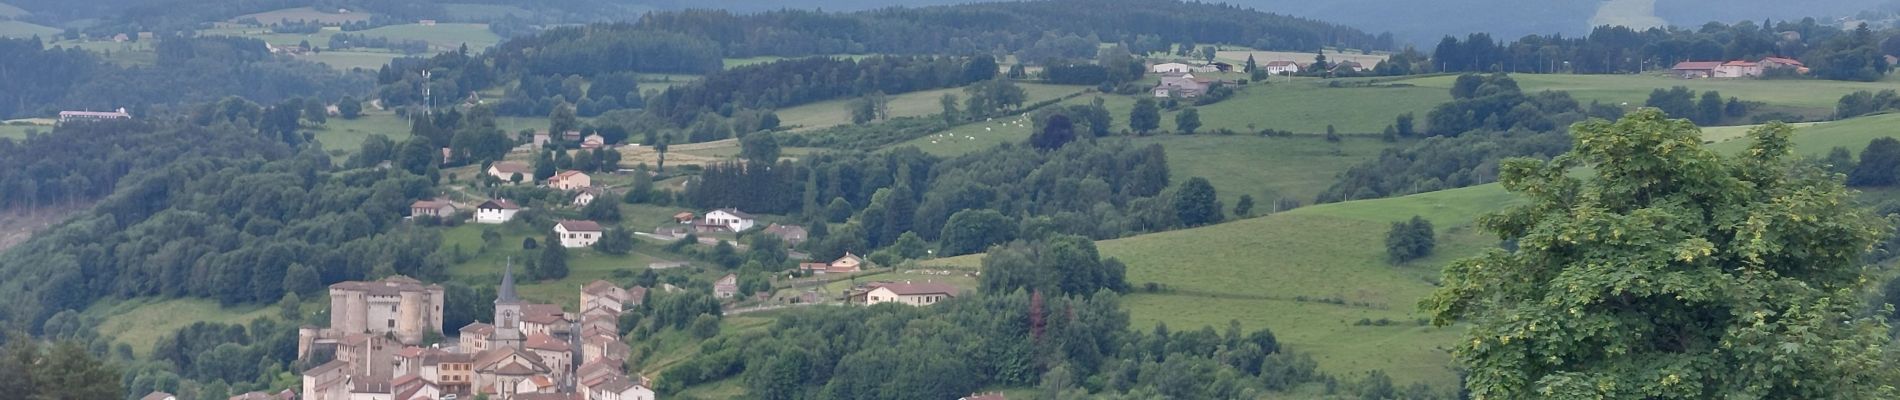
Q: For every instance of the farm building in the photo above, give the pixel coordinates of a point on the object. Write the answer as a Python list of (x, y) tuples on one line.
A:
[(1171, 68), (1695, 69), (915, 294)]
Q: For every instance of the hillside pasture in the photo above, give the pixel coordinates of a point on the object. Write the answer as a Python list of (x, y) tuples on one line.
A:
[(305, 14), (475, 12), (1268, 168), (140, 322), (1311, 275), (1811, 97), (1309, 106), (344, 136), (346, 60), (831, 113), (23, 29), (1815, 140), (441, 37), (18, 130)]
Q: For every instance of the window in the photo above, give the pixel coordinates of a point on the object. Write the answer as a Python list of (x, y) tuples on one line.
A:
[(392, 323)]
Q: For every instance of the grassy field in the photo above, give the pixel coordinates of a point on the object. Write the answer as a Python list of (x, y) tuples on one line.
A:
[(441, 37), (463, 11), (352, 59), (838, 112), (1308, 106), (140, 322), (1257, 271), (18, 132), (305, 14), (1267, 168), (1811, 97), (346, 135), (23, 29), (1817, 139)]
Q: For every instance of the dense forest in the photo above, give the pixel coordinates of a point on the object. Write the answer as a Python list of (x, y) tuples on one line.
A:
[(1853, 54), (40, 81)]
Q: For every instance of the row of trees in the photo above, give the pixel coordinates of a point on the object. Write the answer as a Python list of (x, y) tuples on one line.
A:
[(1833, 53)]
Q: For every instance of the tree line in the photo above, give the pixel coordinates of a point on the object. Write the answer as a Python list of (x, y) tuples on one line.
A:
[(188, 71), (1833, 53), (1489, 119)]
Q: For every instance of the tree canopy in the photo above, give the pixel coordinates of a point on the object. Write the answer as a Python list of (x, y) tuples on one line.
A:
[(1671, 272)]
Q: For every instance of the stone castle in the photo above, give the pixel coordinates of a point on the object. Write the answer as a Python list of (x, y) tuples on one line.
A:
[(399, 306)]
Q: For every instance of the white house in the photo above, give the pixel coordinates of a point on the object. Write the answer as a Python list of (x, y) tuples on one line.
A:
[(577, 233), (726, 287), (731, 218), (587, 196), (506, 170), (915, 294), (570, 180), (1282, 67), (431, 208), (1171, 68), (497, 211), (619, 388)]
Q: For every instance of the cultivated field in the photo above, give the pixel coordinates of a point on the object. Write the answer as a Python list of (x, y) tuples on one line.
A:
[(23, 29), (305, 14)]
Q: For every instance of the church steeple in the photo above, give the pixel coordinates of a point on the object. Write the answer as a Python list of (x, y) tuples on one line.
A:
[(506, 294), (507, 311)]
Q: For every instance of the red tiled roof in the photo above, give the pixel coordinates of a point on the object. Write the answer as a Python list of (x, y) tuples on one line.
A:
[(541, 341), (1783, 60), (512, 167)]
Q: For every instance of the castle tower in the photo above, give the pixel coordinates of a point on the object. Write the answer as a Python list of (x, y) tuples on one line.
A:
[(507, 312), (409, 323)]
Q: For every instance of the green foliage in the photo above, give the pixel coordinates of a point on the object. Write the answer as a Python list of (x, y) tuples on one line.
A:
[(64, 372), (1410, 240), (1865, 102), (552, 263), (602, 209), (1244, 207), (1146, 116), (1877, 164), (616, 241), (1746, 268), (973, 231), (1196, 204), (1063, 264), (1187, 121), (1056, 130)]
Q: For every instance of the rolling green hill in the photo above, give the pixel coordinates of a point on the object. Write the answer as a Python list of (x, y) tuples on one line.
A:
[(11, 11), (1816, 139), (1285, 271), (1815, 98), (826, 114)]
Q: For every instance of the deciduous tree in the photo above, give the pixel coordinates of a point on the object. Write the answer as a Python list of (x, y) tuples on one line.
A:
[(1670, 272)]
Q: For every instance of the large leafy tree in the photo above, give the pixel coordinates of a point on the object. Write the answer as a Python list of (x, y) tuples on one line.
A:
[(1670, 273)]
